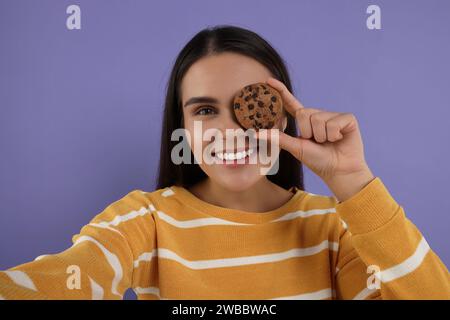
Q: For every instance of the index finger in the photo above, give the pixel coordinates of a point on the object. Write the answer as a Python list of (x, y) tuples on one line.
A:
[(291, 104)]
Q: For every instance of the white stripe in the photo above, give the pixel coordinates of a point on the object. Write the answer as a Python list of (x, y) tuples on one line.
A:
[(119, 219), (146, 256), (407, 266), (364, 293), (305, 214), (321, 294), (149, 290), (317, 295), (112, 259), (247, 260), (334, 246), (41, 257), (204, 222), (201, 222), (21, 278), (104, 226), (167, 193), (97, 290)]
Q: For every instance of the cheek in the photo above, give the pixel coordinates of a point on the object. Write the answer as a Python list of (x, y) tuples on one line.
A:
[(196, 140)]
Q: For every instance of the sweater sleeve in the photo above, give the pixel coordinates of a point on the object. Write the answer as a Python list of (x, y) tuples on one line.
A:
[(382, 254), (99, 264)]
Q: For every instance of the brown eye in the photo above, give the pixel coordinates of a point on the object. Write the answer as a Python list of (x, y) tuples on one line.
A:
[(204, 111)]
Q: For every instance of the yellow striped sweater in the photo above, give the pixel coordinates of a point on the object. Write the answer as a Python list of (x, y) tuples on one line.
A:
[(169, 244)]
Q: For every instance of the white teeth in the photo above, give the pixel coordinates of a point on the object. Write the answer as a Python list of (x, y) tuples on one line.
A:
[(219, 155), (234, 156)]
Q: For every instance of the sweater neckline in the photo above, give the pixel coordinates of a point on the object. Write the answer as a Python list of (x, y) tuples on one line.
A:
[(235, 215)]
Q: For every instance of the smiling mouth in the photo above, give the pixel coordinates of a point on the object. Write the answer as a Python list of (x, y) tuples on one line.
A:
[(231, 156)]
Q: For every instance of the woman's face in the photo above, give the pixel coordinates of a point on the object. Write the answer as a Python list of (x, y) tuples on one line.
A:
[(218, 78)]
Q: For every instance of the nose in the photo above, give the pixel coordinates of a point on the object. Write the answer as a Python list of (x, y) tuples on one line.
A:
[(229, 120), (227, 124)]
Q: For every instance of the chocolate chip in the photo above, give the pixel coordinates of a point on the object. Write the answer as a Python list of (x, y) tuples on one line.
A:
[(274, 114), (264, 87), (270, 124), (237, 105), (250, 106), (266, 92), (258, 115), (254, 96), (251, 117), (274, 99), (247, 98), (260, 104), (271, 107)]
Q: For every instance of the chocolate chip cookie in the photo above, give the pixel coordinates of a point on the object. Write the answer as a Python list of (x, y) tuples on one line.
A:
[(258, 106)]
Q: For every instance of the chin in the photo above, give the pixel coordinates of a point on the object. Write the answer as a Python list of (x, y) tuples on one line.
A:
[(237, 183)]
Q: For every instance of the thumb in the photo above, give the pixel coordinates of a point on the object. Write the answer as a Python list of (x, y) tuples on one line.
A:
[(293, 145)]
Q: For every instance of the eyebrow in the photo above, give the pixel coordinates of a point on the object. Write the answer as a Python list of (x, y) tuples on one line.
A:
[(194, 100)]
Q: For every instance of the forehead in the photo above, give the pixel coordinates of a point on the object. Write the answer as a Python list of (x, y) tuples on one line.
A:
[(221, 76)]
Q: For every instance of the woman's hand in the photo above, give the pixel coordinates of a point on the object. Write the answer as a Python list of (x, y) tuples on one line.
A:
[(329, 144)]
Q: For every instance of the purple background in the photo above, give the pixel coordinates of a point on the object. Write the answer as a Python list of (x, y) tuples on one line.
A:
[(80, 110)]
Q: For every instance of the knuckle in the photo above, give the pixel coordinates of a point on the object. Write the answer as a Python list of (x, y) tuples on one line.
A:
[(332, 126), (320, 136), (316, 118), (333, 137)]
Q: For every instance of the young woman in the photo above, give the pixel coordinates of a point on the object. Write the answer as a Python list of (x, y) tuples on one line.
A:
[(223, 230)]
